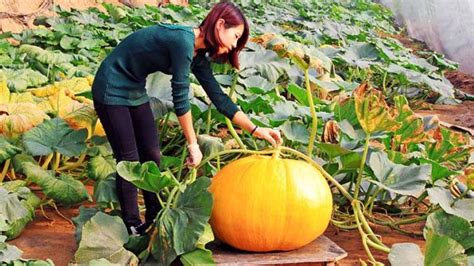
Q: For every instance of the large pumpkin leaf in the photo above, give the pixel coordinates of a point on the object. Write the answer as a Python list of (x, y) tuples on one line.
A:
[(146, 176), (84, 117), (19, 80), (463, 208), (99, 167), (16, 118), (103, 236), (180, 228), (412, 126), (7, 150), (403, 254), (55, 136), (304, 56), (448, 146), (209, 144), (266, 63), (14, 212), (8, 253), (438, 84), (85, 214), (7, 97), (443, 250), (60, 104), (400, 179), (295, 131), (361, 55), (201, 255), (372, 111), (438, 170), (105, 192), (455, 227), (64, 189), (72, 86)]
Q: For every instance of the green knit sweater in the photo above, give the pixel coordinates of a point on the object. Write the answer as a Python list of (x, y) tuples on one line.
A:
[(121, 78)]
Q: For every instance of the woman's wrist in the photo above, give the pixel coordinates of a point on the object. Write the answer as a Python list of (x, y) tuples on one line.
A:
[(253, 130)]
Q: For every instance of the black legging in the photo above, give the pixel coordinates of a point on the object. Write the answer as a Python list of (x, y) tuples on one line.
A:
[(133, 135)]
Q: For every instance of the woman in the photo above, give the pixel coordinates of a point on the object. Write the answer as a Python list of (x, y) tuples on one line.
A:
[(122, 104)]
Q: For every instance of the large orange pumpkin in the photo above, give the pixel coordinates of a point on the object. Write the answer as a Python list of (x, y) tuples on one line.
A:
[(264, 203)]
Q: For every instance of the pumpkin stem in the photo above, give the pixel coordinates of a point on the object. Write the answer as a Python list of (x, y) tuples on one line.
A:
[(276, 153)]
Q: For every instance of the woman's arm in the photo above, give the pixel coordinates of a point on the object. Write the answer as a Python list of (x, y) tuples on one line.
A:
[(271, 135), (186, 122)]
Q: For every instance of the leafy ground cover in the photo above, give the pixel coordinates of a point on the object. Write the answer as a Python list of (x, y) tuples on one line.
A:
[(326, 73)]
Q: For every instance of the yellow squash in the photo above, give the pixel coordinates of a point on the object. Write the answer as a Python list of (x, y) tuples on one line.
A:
[(264, 203)]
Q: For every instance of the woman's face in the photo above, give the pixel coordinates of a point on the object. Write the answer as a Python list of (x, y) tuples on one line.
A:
[(228, 38)]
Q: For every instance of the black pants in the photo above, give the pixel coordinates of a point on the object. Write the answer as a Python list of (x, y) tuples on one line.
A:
[(133, 135)]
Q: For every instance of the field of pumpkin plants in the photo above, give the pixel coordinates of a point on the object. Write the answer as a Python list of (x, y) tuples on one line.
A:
[(330, 75)]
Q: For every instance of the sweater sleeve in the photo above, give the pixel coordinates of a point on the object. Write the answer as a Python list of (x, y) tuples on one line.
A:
[(181, 57), (222, 101)]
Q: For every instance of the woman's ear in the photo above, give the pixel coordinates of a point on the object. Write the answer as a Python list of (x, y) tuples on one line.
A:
[(220, 24)]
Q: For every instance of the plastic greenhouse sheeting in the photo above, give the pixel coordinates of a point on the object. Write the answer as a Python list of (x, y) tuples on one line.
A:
[(446, 26)]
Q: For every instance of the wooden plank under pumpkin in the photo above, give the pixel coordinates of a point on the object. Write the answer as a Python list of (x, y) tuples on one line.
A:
[(321, 251)]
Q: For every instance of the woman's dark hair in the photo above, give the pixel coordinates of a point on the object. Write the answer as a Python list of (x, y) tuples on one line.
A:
[(233, 17)]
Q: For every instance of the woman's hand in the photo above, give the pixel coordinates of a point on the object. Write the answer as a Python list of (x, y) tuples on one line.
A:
[(269, 134), (195, 155)]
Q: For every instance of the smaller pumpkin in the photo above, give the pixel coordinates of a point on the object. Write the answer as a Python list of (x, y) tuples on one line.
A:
[(264, 203)]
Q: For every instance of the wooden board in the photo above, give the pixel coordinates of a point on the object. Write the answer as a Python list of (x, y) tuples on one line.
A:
[(320, 251)]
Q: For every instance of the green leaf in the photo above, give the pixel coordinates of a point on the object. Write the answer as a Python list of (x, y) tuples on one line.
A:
[(64, 189), (401, 179), (257, 84), (85, 214), (266, 63), (7, 150), (103, 236), (8, 253), (193, 211), (180, 228), (210, 145), (361, 55), (55, 135), (463, 208), (299, 93), (197, 257), (19, 80), (443, 250), (162, 248), (105, 191), (455, 227), (438, 171), (15, 213), (405, 254), (69, 43), (346, 111), (146, 176), (295, 131), (99, 167), (333, 150)]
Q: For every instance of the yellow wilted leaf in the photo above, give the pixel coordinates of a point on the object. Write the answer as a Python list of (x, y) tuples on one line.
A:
[(60, 104), (44, 91), (4, 92), (372, 111), (412, 126), (71, 86), (16, 118), (99, 129), (90, 79)]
